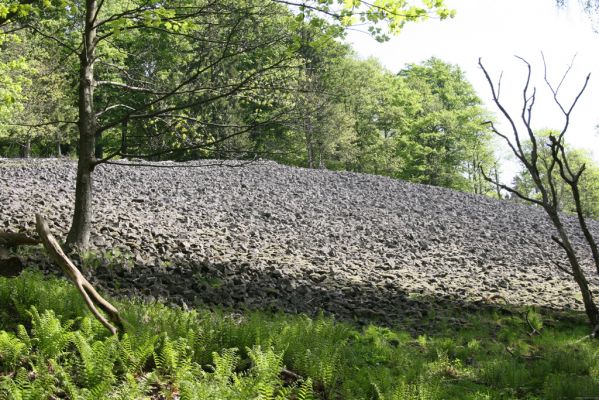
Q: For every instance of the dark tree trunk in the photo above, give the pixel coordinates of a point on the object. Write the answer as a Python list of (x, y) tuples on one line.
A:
[(310, 155), (124, 136), (99, 148), (26, 149), (309, 143), (587, 297), (79, 233), (321, 164), (584, 227), (58, 149)]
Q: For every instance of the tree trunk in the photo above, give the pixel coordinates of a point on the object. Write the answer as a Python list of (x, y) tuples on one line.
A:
[(124, 149), (309, 144), (587, 297), (58, 149), (497, 187), (26, 149), (79, 233), (310, 155), (584, 227), (320, 158)]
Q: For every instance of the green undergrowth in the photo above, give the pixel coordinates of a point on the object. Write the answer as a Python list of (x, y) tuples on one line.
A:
[(51, 348)]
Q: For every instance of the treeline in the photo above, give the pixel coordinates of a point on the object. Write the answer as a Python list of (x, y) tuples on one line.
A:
[(240, 79), (272, 85)]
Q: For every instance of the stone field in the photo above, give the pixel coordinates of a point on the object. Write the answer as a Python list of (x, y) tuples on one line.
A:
[(264, 235)]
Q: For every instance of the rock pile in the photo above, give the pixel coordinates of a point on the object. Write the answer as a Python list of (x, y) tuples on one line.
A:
[(268, 235)]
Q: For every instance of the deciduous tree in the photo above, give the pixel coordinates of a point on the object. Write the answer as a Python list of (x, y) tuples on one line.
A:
[(542, 173)]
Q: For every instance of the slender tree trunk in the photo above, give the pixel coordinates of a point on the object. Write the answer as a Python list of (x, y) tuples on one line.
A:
[(310, 154), (320, 159), (584, 227), (78, 236), (26, 149), (124, 148), (587, 297), (497, 187), (309, 142), (58, 149)]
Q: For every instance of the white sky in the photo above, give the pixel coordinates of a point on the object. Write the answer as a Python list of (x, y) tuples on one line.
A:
[(496, 30)]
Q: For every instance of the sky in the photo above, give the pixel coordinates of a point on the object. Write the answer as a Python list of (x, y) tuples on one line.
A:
[(496, 31)]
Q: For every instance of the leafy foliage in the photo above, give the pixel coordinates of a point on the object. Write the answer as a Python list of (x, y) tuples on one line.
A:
[(200, 354), (229, 79)]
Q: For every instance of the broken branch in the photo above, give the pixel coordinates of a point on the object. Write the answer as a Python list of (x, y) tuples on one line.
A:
[(91, 297)]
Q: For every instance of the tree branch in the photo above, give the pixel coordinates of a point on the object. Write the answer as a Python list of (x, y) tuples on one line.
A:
[(89, 293)]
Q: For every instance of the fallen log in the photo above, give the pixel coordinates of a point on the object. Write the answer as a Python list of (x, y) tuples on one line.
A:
[(89, 293), (12, 239)]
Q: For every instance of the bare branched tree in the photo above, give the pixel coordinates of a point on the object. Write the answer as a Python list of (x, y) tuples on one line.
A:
[(541, 171)]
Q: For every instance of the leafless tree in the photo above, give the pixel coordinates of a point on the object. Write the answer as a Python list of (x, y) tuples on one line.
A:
[(541, 171)]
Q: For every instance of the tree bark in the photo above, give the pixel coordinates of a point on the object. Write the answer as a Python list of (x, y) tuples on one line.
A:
[(497, 187), (26, 149), (11, 239), (58, 149), (564, 241), (79, 233), (583, 225), (124, 148), (90, 295), (309, 144)]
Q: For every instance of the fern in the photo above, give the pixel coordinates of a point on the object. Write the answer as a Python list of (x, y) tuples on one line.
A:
[(224, 364), (30, 385), (171, 356), (422, 390), (10, 390), (50, 336), (132, 387), (134, 358), (24, 337), (12, 350), (305, 391), (266, 364), (96, 363), (65, 381)]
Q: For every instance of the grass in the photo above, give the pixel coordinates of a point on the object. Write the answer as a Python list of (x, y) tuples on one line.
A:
[(51, 348)]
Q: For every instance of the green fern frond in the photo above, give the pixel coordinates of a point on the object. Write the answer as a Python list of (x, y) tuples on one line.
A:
[(135, 357), (24, 336), (50, 336), (65, 381), (12, 349), (306, 391), (266, 390), (96, 361), (267, 364), (224, 364)]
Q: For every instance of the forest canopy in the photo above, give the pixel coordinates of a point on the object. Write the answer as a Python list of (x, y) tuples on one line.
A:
[(254, 79)]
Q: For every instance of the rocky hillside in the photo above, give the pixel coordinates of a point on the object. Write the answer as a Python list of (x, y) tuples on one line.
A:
[(267, 235)]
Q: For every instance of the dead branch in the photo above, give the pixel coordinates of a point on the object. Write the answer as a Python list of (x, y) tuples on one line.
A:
[(91, 297), (11, 239), (291, 375), (533, 330), (524, 357), (558, 265), (550, 199)]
